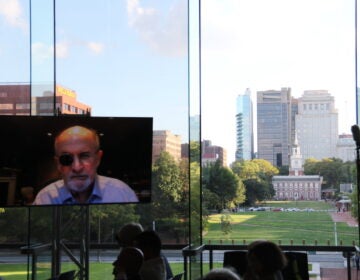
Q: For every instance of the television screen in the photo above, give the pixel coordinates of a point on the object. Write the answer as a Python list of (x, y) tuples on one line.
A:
[(74, 159)]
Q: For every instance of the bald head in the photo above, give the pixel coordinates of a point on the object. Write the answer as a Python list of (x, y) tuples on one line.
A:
[(75, 134), (78, 156)]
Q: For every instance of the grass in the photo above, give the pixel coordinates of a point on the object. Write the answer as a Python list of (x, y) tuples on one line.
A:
[(285, 226), (307, 228), (98, 271)]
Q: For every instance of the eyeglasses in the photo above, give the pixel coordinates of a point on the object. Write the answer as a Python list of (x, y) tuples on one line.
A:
[(68, 159)]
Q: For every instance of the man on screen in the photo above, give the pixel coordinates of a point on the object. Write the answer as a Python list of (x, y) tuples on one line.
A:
[(78, 155)]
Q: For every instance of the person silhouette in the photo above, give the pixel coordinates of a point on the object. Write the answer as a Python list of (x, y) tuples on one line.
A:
[(265, 261), (128, 263)]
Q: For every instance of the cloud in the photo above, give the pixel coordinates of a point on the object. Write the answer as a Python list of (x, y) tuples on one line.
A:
[(62, 50), (163, 33), (41, 52), (95, 48), (12, 12)]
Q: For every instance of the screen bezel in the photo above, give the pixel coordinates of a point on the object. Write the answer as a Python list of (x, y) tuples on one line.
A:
[(28, 151)]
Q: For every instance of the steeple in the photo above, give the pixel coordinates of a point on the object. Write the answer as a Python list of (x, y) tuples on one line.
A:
[(296, 160)]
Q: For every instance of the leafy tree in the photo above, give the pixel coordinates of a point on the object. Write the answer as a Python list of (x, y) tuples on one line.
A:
[(284, 170), (257, 190), (333, 170), (246, 169), (167, 209), (267, 170), (13, 224), (225, 221), (224, 184), (166, 179), (256, 176), (195, 207), (106, 220), (240, 194), (194, 151), (210, 200), (354, 203), (255, 168)]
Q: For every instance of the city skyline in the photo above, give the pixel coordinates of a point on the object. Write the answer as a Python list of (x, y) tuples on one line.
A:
[(135, 54), (268, 45)]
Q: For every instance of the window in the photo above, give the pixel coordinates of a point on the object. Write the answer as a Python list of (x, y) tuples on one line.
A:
[(22, 106), (8, 106)]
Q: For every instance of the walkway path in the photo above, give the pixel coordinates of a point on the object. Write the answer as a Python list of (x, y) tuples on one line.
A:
[(344, 217), (340, 273)]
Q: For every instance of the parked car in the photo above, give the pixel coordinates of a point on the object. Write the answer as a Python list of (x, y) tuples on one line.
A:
[(257, 209)]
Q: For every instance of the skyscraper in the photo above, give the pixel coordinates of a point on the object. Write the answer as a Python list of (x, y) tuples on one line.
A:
[(244, 127), (274, 125), (317, 124)]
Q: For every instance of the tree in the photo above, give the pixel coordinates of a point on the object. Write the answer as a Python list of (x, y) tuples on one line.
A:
[(106, 220), (267, 170), (224, 184), (255, 168), (166, 179), (354, 203), (256, 176), (245, 169), (225, 221), (194, 151), (333, 170), (257, 190), (168, 195)]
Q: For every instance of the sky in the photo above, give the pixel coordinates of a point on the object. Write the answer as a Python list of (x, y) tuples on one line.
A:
[(130, 57), (264, 45)]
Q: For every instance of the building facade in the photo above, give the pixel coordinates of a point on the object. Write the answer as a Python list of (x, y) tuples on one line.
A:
[(274, 126), (307, 187), (317, 124), (211, 153), (244, 127), (164, 140), (66, 103), (346, 148), (297, 186), (16, 99)]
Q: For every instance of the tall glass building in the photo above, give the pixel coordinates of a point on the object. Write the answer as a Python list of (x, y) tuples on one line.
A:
[(244, 127), (274, 125)]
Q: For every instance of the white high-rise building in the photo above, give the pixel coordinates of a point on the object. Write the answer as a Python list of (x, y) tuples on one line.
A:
[(244, 127), (317, 124), (346, 148)]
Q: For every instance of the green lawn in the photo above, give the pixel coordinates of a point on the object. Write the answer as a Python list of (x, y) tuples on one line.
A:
[(248, 226), (299, 227), (98, 271)]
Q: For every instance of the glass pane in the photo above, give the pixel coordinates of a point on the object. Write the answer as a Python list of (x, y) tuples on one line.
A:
[(42, 56), (278, 83), (107, 58), (15, 58), (14, 99)]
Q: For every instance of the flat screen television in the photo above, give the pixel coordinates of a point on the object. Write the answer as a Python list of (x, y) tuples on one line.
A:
[(29, 164)]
